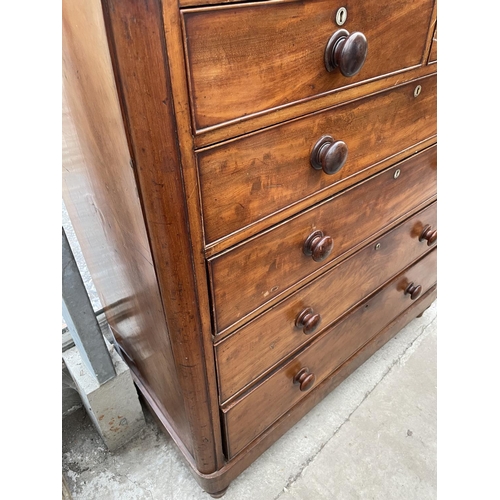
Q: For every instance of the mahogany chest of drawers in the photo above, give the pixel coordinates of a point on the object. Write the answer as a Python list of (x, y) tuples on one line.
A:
[(254, 189)]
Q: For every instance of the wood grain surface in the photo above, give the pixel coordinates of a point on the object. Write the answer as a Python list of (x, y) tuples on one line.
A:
[(248, 58), (253, 177), (263, 268), (259, 345), (141, 65), (101, 197), (244, 419)]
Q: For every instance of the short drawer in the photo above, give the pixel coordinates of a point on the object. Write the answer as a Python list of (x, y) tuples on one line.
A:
[(251, 178), (247, 58), (260, 345), (261, 269), (248, 417)]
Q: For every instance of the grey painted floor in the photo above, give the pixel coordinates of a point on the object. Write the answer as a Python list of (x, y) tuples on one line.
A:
[(374, 437)]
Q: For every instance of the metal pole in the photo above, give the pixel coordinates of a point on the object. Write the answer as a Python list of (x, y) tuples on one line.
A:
[(81, 320)]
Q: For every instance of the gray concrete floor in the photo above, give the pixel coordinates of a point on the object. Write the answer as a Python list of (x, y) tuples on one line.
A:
[(373, 437)]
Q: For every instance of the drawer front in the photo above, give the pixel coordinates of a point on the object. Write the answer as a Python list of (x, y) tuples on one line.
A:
[(261, 269), (246, 419), (261, 344), (253, 177), (247, 58)]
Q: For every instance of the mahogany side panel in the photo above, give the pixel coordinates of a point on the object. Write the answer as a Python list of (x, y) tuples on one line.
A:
[(136, 34), (100, 194)]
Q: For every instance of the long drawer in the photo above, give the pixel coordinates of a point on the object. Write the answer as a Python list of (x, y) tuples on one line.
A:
[(245, 419), (248, 58), (253, 273), (259, 345), (253, 177)]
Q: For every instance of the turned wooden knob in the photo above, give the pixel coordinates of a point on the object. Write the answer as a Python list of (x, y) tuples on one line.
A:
[(413, 291), (305, 379), (329, 155), (308, 320), (346, 52), (429, 235), (318, 246)]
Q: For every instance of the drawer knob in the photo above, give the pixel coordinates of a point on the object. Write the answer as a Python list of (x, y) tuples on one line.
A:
[(305, 379), (308, 320), (329, 155), (413, 291), (318, 246), (346, 52), (429, 235)]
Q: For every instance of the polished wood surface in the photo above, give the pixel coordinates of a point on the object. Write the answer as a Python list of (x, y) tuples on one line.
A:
[(237, 128), (249, 58), (248, 276), (253, 177), (257, 347), (244, 421), (100, 195), (141, 63)]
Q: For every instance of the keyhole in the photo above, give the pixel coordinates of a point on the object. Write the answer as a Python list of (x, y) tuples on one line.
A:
[(341, 16)]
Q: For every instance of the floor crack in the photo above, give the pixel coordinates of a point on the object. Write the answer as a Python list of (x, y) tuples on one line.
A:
[(304, 465)]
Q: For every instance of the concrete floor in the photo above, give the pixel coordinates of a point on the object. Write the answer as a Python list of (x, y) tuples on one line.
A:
[(372, 438)]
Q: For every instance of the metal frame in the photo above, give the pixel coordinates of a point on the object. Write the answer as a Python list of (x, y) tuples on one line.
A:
[(81, 319)]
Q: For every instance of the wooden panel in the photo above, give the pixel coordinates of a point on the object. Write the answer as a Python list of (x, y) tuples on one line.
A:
[(245, 420), (141, 64), (266, 266), (239, 127), (258, 346), (249, 58), (100, 194), (253, 177)]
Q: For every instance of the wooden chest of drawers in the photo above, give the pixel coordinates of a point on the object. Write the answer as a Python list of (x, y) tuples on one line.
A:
[(254, 189)]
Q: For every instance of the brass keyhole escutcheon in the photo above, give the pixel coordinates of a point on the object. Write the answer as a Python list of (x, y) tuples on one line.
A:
[(417, 91)]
